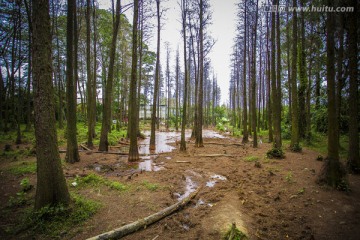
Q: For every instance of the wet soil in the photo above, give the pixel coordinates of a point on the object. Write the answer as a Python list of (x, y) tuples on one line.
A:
[(267, 199)]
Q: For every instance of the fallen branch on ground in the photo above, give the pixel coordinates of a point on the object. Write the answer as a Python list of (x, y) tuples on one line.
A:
[(143, 223), (85, 147), (183, 162), (225, 144), (213, 155)]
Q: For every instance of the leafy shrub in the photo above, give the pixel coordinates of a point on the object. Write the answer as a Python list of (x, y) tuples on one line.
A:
[(275, 153)]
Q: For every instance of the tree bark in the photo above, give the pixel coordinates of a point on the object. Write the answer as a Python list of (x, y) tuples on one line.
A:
[(106, 121), (353, 160), (294, 96), (72, 154), (184, 114), (51, 185), (133, 149), (154, 119)]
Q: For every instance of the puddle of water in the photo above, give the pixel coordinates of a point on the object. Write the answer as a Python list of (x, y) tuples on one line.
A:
[(211, 134), (216, 176), (186, 227), (163, 138), (211, 183), (149, 166), (190, 186)]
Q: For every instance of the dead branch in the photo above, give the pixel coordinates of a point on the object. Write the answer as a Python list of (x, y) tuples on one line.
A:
[(183, 162), (143, 223), (85, 147), (225, 144), (214, 155)]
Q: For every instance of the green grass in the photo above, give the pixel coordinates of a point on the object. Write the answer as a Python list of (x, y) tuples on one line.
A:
[(95, 180), (150, 186), (23, 168), (53, 221), (251, 159)]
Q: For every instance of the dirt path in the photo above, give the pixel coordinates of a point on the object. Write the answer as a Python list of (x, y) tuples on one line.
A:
[(273, 199)]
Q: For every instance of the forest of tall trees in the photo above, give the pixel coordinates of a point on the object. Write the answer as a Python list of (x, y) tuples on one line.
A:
[(294, 76)]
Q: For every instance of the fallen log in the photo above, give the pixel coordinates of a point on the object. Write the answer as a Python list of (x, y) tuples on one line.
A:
[(214, 155), (225, 144), (85, 147), (143, 223)]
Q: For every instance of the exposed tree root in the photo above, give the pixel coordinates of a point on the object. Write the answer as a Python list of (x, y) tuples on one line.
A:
[(143, 223)]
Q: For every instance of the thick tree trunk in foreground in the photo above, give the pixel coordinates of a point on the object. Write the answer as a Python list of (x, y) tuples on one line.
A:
[(106, 121), (353, 158), (51, 186), (133, 150), (72, 154)]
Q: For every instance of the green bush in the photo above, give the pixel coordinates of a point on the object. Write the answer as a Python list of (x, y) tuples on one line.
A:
[(275, 153)]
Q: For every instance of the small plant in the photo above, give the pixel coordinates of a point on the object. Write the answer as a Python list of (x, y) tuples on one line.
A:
[(25, 185), (301, 191), (275, 153), (289, 177), (296, 148), (150, 186), (117, 186), (343, 185), (319, 158), (235, 234), (251, 159)]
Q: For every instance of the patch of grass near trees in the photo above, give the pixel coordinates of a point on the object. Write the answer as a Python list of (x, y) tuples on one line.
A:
[(55, 221), (97, 181)]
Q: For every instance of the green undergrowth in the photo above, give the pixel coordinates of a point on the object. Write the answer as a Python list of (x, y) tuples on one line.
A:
[(82, 129), (251, 159), (55, 221), (26, 136), (95, 180), (275, 153), (22, 168), (150, 186)]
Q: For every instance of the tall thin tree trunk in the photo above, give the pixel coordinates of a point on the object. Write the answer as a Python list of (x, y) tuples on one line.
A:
[(72, 153), (133, 150), (105, 127), (245, 116), (154, 119)]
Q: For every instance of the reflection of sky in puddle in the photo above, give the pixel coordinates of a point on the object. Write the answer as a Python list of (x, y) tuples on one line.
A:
[(211, 183), (163, 138), (190, 186), (149, 166)]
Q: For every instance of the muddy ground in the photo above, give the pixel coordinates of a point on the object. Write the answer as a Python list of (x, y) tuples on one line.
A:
[(267, 199)]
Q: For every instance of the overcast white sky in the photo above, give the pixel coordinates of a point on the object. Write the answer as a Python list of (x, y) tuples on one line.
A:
[(222, 30)]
